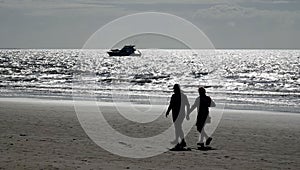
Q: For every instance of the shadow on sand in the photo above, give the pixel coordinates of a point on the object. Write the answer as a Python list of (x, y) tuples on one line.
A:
[(206, 148)]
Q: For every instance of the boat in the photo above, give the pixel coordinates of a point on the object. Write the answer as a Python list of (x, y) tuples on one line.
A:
[(127, 50)]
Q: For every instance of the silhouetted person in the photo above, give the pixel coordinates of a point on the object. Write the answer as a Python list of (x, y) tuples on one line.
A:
[(202, 103), (177, 104)]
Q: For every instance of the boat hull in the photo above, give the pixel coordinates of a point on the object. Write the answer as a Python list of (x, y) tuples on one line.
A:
[(112, 53)]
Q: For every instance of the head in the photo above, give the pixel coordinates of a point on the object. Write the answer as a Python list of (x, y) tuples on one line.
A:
[(176, 88), (201, 91)]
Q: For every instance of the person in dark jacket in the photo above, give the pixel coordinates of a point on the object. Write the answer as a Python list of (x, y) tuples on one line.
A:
[(202, 103), (179, 104)]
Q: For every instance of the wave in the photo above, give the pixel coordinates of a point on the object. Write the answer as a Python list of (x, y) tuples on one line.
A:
[(267, 76)]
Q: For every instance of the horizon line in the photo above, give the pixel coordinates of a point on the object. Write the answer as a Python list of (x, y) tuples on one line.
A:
[(152, 48)]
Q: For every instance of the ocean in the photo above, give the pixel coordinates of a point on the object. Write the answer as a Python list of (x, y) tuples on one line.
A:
[(241, 79)]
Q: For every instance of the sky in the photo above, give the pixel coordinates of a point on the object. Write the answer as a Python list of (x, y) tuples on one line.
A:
[(229, 24)]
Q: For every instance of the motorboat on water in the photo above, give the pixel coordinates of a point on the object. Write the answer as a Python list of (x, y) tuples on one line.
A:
[(127, 50)]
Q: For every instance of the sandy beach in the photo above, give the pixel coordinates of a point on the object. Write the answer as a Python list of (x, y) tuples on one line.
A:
[(46, 134)]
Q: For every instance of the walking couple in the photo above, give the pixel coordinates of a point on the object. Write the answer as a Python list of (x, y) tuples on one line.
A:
[(179, 105)]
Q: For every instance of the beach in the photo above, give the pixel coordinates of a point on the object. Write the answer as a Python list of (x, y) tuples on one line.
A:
[(46, 134)]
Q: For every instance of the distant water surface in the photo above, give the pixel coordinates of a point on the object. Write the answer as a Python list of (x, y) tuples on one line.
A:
[(243, 79)]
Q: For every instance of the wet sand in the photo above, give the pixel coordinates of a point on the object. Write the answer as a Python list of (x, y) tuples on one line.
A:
[(46, 134)]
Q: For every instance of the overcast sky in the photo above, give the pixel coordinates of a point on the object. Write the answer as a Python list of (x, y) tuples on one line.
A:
[(228, 23)]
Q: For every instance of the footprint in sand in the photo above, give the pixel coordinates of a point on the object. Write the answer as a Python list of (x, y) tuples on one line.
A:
[(123, 143)]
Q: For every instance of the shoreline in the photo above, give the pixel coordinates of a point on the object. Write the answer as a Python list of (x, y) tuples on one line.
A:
[(242, 107)]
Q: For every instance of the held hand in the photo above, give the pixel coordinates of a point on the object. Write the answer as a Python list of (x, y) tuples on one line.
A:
[(167, 114), (188, 111), (212, 104)]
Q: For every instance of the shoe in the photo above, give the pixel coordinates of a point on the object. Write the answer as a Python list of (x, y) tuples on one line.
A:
[(183, 143), (201, 144), (208, 141), (178, 147)]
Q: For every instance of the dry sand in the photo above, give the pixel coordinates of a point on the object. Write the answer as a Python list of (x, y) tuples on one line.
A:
[(46, 134)]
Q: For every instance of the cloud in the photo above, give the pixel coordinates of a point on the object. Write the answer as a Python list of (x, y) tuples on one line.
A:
[(92, 3), (233, 11), (49, 4), (56, 7), (233, 25), (145, 2), (274, 1), (229, 23)]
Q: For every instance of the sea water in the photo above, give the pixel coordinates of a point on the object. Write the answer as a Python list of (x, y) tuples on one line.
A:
[(242, 79)]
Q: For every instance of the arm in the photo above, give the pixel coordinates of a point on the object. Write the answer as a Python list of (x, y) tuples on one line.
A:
[(170, 107), (188, 107), (191, 109), (168, 111), (212, 104), (187, 104)]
